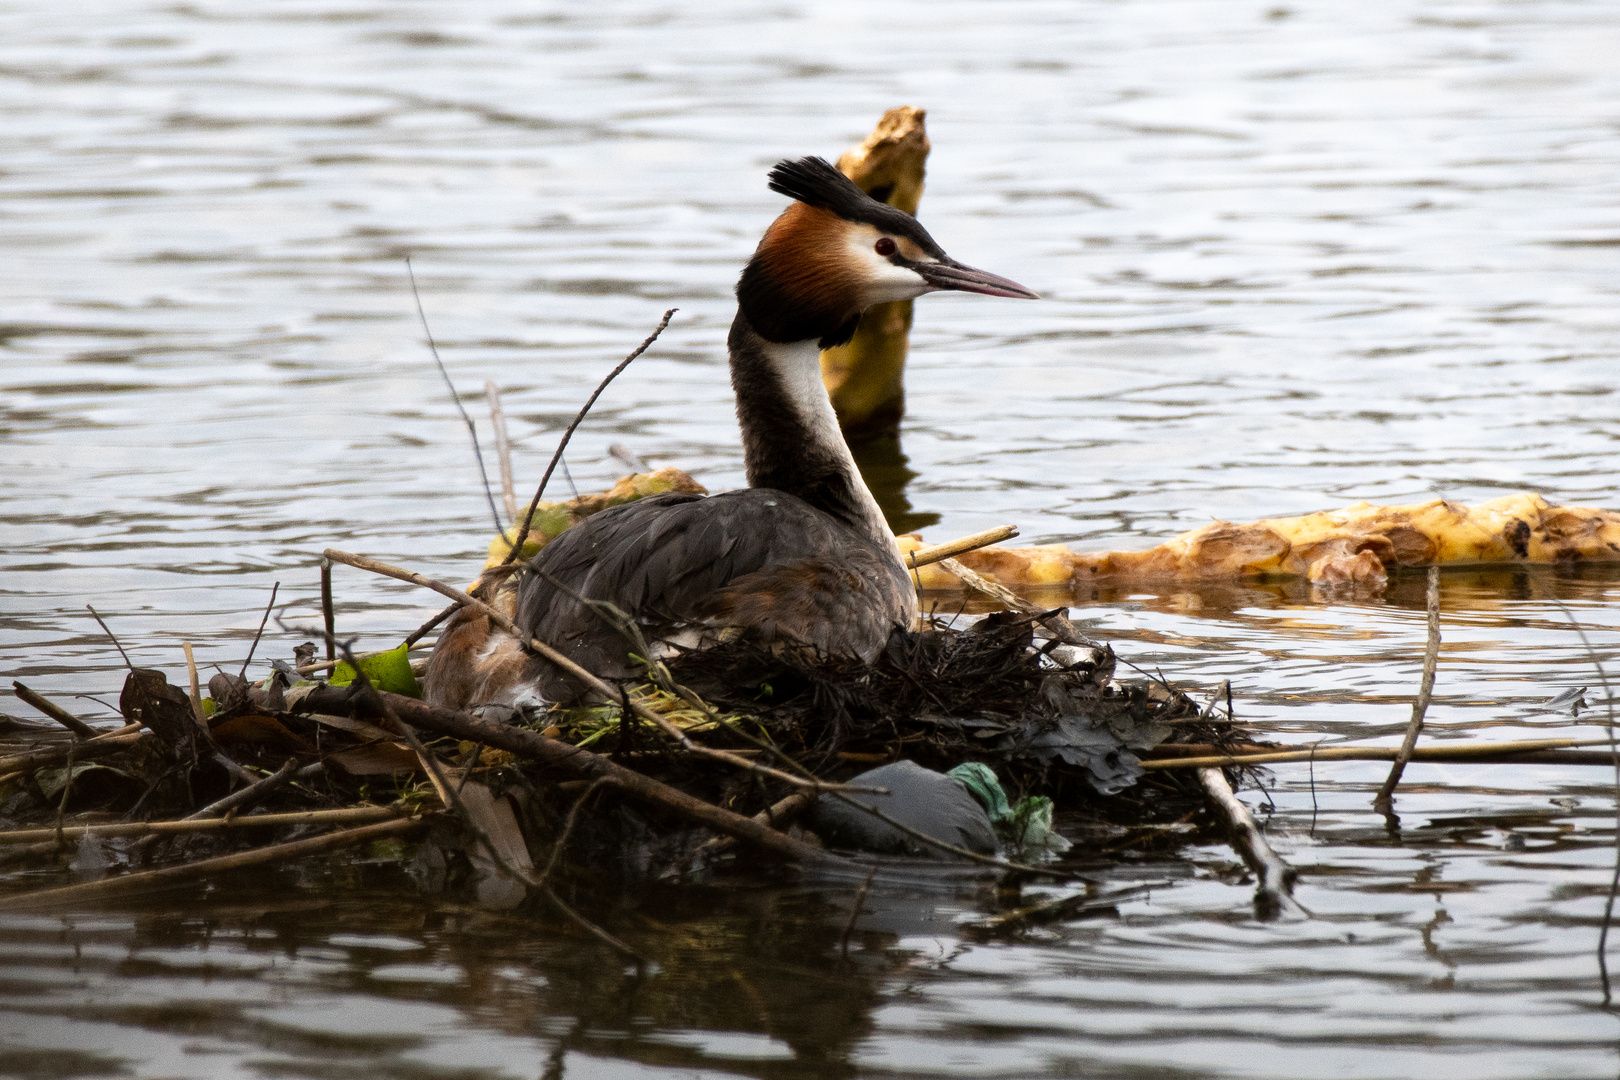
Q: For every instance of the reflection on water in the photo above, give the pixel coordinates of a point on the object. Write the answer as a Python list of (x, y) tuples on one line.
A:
[(886, 470), (1293, 256)]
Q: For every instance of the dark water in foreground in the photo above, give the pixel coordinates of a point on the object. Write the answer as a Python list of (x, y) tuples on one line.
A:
[(1293, 256)]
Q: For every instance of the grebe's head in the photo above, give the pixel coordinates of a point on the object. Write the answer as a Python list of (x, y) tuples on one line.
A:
[(835, 252)]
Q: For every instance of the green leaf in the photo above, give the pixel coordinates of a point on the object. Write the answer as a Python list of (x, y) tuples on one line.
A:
[(389, 671)]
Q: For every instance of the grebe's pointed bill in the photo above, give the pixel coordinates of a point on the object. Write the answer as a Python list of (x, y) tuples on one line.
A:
[(950, 274)]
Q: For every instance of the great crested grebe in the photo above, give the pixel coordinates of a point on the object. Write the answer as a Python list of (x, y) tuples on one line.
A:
[(802, 555)]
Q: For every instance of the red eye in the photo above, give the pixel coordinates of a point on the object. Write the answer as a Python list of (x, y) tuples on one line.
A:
[(885, 247)]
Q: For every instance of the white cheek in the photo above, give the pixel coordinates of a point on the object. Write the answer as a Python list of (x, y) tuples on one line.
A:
[(892, 282), (882, 281)]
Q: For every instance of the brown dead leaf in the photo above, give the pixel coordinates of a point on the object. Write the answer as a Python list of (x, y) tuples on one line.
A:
[(260, 729), (376, 759)]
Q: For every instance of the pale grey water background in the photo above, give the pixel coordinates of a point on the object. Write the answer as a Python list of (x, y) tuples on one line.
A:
[(1294, 255)]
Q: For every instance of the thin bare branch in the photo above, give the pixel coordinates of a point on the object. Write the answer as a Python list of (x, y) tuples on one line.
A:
[(1484, 752), (108, 631), (539, 492), (503, 449), (253, 648), (328, 615), (1384, 801), (455, 398), (349, 815)]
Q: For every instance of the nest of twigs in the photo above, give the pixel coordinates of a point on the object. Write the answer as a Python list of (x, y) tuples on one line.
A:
[(1048, 719)]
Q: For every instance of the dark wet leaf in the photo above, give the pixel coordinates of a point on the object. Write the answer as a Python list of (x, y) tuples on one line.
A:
[(259, 729), (147, 698)]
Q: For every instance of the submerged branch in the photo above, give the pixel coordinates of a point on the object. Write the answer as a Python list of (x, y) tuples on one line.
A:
[(1274, 885)]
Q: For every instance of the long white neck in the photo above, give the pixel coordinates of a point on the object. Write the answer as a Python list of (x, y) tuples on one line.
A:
[(791, 439)]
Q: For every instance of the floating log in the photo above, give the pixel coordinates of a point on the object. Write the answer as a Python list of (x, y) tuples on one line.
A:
[(1358, 544)]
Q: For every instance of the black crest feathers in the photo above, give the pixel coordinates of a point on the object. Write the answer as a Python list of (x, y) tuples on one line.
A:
[(814, 182)]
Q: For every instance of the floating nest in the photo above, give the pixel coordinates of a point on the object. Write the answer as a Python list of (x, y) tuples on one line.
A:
[(1048, 719)]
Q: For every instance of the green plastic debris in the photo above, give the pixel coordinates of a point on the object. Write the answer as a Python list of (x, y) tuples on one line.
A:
[(1026, 826), (982, 784), (1031, 825), (389, 671)]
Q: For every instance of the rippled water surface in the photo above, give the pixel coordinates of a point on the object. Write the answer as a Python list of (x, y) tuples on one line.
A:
[(1292, 255)]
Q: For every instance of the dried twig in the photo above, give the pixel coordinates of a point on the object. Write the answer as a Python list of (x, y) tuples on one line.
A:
[(100, 746), (779, 813), (426, 628), (328, 615), (534, 503), (1056, 623), (1384, 801), (938, 552), (254, 647), (567, 829), (503, 449), (855, 912), (627, 457), (55, 899), (240, 799), (1066, 907), (54, 711), (585, 764), (61, 806), (1487, 753), (348, 815), (108, 631), (1614, 881)]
